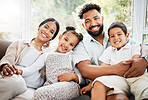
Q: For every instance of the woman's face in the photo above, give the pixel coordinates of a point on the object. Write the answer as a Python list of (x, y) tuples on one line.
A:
[(47, 31)]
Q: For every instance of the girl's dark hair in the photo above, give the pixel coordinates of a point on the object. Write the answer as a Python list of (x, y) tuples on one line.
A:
[(53, 20), (88, 7), (72, 30), (118, 25)]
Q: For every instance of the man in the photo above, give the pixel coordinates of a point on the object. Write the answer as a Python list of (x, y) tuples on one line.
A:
[(87, 53)]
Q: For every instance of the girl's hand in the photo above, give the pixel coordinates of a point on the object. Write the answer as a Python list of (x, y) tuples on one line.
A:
[(85, 89), (8, 70), (68, 77)]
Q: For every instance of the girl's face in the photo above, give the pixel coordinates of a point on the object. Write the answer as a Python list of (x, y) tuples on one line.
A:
[(117, 37), (67, 42), (46, 31)]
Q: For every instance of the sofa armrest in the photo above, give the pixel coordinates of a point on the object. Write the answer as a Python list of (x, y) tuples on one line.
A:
[(3, 47)]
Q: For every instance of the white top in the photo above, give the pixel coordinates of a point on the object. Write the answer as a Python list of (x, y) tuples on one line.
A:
[(112, 56), (32, 76)]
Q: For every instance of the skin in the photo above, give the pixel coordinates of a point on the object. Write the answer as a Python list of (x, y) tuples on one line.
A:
[(67, 42), (45, 33)]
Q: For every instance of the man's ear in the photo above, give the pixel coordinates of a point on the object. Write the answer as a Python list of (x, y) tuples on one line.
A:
[(83, 25), (102, 18)]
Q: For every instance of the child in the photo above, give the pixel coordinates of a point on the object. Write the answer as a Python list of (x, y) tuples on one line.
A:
[(61, 81), (113, 84)]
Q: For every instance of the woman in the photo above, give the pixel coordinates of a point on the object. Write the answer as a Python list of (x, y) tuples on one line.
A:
[(21, 54)]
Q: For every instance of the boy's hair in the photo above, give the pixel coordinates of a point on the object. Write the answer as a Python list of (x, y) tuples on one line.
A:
[(72, 30), (88, 7), (118, 25)]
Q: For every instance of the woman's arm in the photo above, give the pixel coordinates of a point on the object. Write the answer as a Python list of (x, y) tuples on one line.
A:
[(8, 60)]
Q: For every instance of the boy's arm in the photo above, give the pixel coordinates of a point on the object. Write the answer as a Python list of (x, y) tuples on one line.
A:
[(138, 65)]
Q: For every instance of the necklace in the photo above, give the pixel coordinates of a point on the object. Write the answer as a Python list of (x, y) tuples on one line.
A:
[(35, 45)]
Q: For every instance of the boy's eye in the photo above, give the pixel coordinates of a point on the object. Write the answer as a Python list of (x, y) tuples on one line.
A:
[(111, 36), (96, 18)]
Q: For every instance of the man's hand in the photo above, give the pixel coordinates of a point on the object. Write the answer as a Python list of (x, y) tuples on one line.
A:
[(122, 67), (138, 67), (8, 70)]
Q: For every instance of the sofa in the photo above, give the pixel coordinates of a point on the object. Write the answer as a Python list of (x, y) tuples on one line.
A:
[(3, 46)]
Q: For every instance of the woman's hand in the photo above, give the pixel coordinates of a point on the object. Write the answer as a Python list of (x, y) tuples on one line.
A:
[(68, 77), (8, 70)]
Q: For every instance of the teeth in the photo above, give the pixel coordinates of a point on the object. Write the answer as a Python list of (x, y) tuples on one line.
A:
[(94, 28), (117, 42), (44, 35)]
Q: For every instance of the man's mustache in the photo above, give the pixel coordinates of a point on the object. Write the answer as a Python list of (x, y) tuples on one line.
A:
[(94, 26)]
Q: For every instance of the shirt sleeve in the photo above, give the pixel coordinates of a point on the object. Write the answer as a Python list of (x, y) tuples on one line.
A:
[(135, 49), (36, 66), (106, 57), (80, 54)]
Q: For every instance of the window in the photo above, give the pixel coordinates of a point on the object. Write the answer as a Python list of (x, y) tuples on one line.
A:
[(14, 23), (140, 21), (66, 12)]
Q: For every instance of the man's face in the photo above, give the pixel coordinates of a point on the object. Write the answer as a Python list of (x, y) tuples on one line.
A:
[(92, 22)]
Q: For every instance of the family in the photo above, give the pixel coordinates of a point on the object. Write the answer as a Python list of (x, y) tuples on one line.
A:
[(110, 65)]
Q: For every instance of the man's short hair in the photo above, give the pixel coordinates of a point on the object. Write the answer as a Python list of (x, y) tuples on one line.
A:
[(88, 7)]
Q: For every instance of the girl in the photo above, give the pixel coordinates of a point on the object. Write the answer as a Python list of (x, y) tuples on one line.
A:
[(61, 81), (23, 54)]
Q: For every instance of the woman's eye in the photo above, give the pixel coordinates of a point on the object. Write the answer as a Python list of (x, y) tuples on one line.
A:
[(66, 39), (51, 32), (46, 27)]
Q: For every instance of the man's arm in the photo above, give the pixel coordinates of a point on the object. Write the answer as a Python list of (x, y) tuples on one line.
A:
[(93, 71)]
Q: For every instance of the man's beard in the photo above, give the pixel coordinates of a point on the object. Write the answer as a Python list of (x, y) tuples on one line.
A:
[(96, 33)]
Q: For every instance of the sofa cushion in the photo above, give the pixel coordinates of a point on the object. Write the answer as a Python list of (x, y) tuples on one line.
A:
[(3, 46)]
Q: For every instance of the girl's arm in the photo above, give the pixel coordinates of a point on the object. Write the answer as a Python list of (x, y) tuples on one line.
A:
[(68, 77), (36, 66)]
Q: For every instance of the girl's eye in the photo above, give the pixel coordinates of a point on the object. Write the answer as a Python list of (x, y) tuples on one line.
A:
[(51, 32), (96, 18), (71, 45)]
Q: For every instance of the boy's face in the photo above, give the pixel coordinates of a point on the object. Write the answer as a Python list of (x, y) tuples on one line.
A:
[(117, 37), (67, 42)]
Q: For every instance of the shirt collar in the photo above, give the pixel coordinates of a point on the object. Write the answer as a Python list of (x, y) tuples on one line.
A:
[(125, 47)]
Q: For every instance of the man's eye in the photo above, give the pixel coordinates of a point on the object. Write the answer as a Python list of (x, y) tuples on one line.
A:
[(87, 21)]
